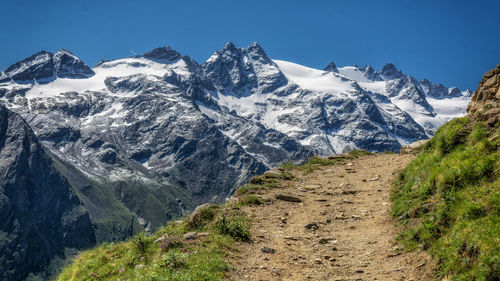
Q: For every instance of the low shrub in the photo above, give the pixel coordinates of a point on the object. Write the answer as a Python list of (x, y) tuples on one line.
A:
[(237, 227)]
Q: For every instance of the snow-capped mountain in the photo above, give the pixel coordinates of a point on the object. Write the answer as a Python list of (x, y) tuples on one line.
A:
[(184, 133)]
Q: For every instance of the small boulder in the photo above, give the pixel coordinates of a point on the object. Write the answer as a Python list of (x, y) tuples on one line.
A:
[(288, 198), (312, 226), (268, 250)]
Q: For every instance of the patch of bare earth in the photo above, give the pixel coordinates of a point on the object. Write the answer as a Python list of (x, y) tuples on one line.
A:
[(341, 229)]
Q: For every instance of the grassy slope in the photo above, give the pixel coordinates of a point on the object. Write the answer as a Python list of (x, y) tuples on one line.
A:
[(141, 258), (448, 200), (204, 258)]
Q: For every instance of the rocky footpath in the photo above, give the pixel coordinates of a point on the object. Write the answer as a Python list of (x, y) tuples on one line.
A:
[(329, 222)]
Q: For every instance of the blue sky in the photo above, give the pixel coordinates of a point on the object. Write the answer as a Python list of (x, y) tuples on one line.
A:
[(452, 42)]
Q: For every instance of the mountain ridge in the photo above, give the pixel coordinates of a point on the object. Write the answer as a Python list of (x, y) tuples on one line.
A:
[(269, 110)]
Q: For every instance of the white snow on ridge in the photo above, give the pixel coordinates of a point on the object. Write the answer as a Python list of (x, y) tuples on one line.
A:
[(443, 110), (313, 79), (116, 68), (353, 73)]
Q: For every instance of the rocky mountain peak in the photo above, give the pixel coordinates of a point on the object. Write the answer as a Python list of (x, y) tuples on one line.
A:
[(36, 67), (163, 54), (45, 66), (331, 67), (369, 72), (229, 46), (389, 71), (256, 49), (484, 104), (234, 70), (67, 65)]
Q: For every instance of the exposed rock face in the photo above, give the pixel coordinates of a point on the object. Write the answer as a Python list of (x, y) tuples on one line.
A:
[(40, 213), (485, 101)]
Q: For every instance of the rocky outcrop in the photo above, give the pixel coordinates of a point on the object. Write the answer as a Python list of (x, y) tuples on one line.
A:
[(40, 213), (485, 104)]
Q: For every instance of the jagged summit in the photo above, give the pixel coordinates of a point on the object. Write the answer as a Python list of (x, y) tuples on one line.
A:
[(255, 48), (439, 91), (163, 54), (229, 46), (331, 67), (67, 65), (389, 71), (241, 72)]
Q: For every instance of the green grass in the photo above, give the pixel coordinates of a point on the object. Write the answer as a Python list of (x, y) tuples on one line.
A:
[(249, 199), (448, 200), (312, 164), (358, 152), (141, 258)]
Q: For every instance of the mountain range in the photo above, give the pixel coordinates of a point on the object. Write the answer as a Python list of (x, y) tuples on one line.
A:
[(132, 143)]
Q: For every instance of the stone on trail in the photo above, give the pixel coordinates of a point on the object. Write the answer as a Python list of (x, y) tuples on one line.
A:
[(288, 198), (268, 250), (312, 226)]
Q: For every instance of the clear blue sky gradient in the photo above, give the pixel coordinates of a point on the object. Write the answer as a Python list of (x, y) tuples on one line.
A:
[(452, 42)]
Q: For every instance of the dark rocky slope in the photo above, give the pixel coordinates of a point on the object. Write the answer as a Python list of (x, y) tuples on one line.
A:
[(40, 213)]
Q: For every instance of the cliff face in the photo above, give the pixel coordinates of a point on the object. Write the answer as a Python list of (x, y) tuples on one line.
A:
[(40, 214), (485, 104)]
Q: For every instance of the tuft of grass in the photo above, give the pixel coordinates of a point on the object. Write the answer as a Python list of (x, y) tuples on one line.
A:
[(203, 217), (249, 200), (286, 175), (316, 160), (237, 227), (359, 152), (142, 243), (448, 200), (288, 165)]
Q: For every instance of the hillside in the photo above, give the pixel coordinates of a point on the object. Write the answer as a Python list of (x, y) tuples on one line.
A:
[(448, 198)]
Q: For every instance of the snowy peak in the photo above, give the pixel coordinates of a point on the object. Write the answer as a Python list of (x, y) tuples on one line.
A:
[(256, 52), (45, 66), (241, 72), (467, 93), (36, 67)]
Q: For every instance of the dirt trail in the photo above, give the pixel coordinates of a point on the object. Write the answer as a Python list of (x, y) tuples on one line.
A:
[(351, 233)]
